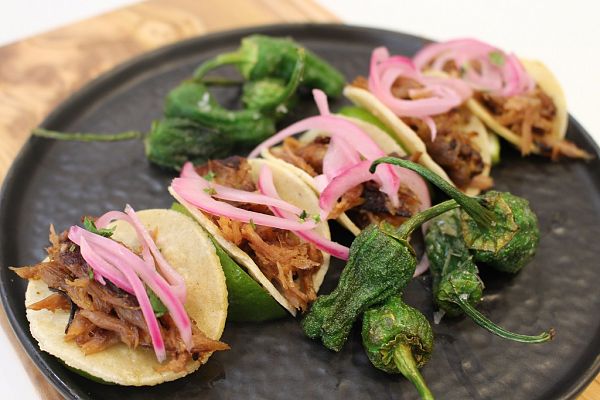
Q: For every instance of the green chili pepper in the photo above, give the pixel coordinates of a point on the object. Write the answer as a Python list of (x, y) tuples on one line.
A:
[(381, 263), (457, 288), (273, 94), (399, 339), (499, 228), (261, 57), (193, 101), (169, 143)]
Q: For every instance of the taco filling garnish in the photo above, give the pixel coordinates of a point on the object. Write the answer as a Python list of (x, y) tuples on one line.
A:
[(427, 113), (284, 246), (333, 156), (364, 203), (454, 146), (519, 99), (98, 302)]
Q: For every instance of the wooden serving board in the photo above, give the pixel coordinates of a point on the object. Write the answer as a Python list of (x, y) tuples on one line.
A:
[(37, 73)]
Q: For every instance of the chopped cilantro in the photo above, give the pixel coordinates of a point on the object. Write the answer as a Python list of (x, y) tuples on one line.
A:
[(496, 58), (210, 191), (91, 273), (303, 215), (252, 224), (157, 306), (317, 218), (89, 225), (72, 248), (209, 176)]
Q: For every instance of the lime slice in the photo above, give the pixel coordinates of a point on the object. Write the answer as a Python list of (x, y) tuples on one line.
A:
[(248, 301), (494, 148), (366, 116)]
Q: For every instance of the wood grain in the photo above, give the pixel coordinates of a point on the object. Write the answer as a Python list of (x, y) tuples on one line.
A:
[(38, 73)]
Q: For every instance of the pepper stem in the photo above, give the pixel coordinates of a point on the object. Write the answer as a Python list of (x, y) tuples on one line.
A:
[(485, 323), (87, 137), (235, 57), (471, 205), (405, 362), (419, 219)]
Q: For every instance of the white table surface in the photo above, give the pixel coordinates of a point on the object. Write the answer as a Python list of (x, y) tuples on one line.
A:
[(564, 34)]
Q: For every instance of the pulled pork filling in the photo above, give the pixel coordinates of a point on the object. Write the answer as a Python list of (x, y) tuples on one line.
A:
[(287, 261), (453, 149), (531, 115), (364, 204), (104, 315)]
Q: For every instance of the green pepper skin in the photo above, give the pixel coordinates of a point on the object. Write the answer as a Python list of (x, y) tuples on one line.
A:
[(451, 264), (173, 141), (499, 228), (193, 101), (398, 339), (457, 288), (262, 94), (510, 243), (261, 56), (379, 265)]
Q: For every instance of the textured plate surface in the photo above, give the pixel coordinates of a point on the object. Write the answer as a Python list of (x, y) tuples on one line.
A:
[(57, 183)]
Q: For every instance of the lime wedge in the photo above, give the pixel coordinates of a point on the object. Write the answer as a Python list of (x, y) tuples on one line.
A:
[(366, 116), (248, 301)]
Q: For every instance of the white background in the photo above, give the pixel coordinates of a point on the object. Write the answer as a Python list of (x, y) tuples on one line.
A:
[(564, 34)]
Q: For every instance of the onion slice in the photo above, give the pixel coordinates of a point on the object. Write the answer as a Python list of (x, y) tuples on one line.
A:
[(355, 137), (444, 94), (266, 186), (231, 194), (497, 72), (192, 191)]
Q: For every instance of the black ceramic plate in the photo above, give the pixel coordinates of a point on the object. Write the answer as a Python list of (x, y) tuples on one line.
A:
[(52, 182)]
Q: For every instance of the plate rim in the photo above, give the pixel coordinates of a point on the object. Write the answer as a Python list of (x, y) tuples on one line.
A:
[(137, 65)]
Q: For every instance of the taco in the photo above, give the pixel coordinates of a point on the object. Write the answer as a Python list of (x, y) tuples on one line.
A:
[(520, 100), (364, 203), (284, 261), (451, 140), (86, 307)]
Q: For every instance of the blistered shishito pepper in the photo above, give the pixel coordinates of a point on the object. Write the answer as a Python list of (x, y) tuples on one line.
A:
[(274, 95), (457, 288), (499, 228), (193, 101), (381, 263), (398, 339), (169, 143), (261, 56)]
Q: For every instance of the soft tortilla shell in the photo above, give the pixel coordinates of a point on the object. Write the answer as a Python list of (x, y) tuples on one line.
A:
[(549, 84), (291, 189), (188, 249)]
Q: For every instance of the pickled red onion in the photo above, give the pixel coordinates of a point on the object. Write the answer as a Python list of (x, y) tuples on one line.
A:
[(357, 139), (385, 70), (266, 186), (507, 79), (100, 252), (231, 194), (191, 190)]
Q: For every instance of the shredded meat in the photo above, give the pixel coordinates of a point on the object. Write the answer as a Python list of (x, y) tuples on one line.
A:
[(53, 302), (362, 202), (453, 149), (288, 262), (105, 315), (531, 115)]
